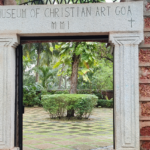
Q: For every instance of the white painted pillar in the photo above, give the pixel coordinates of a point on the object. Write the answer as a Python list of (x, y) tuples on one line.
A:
[(8, 44), (126, 90)]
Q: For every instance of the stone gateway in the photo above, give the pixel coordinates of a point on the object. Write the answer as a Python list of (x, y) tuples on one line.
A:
[(122, 22)]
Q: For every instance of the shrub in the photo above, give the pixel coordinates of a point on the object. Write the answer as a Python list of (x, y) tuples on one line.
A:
[(84, 91), (52, 91), (80, 91), (97, 93), (105, 103), (30, 96), (57, 104), (84, 107), (62, 92)]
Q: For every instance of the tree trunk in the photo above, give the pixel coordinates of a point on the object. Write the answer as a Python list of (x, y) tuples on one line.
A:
[(60, 80), (65, 81), (74, 75), (74, 80), (38, 61), (61, 77), (48, 61)]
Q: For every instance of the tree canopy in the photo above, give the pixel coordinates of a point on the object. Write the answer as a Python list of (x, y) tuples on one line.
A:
[(71, 65)]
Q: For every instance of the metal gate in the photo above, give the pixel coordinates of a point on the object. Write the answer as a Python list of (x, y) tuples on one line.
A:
[(19, 110)]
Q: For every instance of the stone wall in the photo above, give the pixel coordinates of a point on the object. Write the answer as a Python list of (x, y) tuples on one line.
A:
[(7, 2), (1, 2), (144, 81)]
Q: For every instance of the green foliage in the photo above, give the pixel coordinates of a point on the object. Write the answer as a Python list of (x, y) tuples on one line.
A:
[(86, 52), (105, 103), (98, 94), (95, 70), (30, 96), (85, 49), (52, 91), (62, 92), (101, 78), (95, 66), (49, 54), (84, 107), (57, 104), (28, 76), (95, 92), (84, 91), (46, 75), (60, 1)]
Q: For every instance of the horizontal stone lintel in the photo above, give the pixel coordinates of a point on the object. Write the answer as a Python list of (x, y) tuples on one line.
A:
[(72, 18)]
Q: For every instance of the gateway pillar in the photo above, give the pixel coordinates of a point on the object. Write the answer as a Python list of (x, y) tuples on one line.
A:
[(7, 90), (126, 90)]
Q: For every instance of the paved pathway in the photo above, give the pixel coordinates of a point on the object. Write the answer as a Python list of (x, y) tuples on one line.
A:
[(40, 133)]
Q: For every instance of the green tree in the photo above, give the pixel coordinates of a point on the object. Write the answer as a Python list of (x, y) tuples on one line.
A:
[(29, 61), (38, 47), (102, 79), (101, 76), (83, 57), (33, 51), (45, 73), (48, 54)]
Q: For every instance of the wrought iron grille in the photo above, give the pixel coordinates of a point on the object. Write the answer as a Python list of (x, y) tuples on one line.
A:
[(46, 2)]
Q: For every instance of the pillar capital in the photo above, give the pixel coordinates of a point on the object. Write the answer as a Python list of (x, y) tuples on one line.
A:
[(133, 38), (9, 40)]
